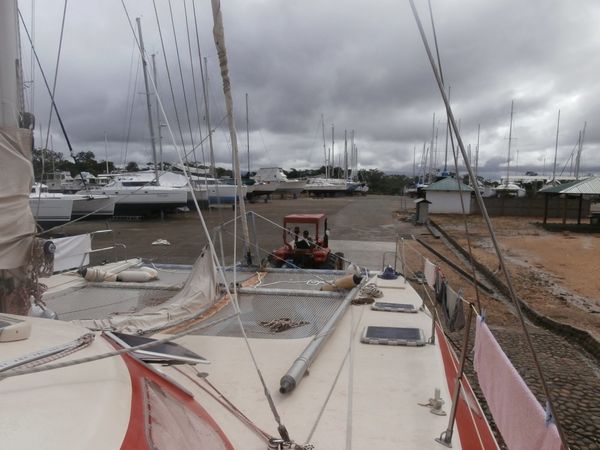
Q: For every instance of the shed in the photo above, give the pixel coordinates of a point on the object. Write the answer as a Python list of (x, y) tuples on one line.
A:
[(445, 196), (422, 210), (589, 187)]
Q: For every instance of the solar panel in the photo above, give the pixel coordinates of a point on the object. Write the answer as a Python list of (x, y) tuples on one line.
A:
[(393, 336), (393, 307)]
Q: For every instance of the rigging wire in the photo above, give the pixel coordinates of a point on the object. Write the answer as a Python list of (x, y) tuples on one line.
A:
[(486, 217), (162, 44), (189, 41), (281, 428), (473, 180), (187, 110), (60, 42), (58, 116), (131, 92), (202, 80)]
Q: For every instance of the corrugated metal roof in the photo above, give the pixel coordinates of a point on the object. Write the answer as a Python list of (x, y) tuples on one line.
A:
[(590, 186), (449, 184)]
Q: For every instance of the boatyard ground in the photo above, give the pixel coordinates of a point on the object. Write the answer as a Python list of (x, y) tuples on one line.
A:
[(555, 273)]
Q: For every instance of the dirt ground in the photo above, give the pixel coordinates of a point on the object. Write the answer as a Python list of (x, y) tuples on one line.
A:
[(555, 272)]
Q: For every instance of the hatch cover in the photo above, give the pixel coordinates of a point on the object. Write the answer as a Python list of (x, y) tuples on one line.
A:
[(393, 307), (393, 336)]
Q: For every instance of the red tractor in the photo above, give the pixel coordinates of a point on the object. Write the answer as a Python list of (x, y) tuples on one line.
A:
[(306, 244)]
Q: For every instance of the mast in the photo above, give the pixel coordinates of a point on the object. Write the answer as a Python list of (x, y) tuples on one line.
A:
[(447, 131), (556, 148), (578, 160), (10, 109), (509, 142), (345, 154), (160, 147), (105, 152), (148, 105), (424, 161), (15, 158), (248, 134), (324, 147), (332, 157), (431, 151), (354, 157), (477, 152), (219, 37), (210, 141)]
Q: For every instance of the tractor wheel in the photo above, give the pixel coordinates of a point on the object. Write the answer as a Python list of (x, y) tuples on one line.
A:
[(275, 262), (340, 264), (331, 262)]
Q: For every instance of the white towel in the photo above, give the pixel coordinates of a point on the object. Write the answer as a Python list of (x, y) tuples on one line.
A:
[(517, 413), (429, 272)]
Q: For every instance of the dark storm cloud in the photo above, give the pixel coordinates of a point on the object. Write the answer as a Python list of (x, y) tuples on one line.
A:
[(360, 64)]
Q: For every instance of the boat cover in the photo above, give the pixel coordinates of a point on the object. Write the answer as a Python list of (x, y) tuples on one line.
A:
[(16, 177)]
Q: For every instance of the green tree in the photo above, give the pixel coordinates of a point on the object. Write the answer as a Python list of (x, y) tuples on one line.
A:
[(132, 166)]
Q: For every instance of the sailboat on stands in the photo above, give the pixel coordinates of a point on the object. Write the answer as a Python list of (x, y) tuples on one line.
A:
[(329, 186), (123, 383), (134, 195), (508, 189)]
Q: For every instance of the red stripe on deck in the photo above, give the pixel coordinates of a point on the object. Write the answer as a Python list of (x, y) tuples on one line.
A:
[(474, 430)]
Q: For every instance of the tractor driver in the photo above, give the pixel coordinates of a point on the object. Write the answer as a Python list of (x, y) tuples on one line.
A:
[(305, 242)]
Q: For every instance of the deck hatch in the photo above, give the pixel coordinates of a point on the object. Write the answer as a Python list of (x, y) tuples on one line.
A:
[(394, 307), (393, 336)]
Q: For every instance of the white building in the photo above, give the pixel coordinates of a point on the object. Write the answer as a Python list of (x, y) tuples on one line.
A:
[(445, 195)]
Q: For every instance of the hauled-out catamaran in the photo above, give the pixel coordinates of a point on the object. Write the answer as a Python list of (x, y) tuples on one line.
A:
[(282, 367)]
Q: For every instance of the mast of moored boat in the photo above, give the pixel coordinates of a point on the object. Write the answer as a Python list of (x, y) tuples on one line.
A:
[(248, 134), (509, 142), (477, 152), (332, 156), (431, 151), (324, 147), (159, 125), (556, 149), (213, 172), (148, 105), (345, 154), (580, 149)]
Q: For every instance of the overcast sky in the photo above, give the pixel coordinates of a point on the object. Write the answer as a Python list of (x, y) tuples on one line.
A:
[(359, 63)]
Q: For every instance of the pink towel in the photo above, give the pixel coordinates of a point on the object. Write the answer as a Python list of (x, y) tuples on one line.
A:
[(429, 272), (517, 413)]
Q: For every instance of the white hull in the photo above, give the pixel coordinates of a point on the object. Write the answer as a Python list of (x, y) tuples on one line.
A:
[(290, 187), (97, 206), (144, 200), (51, 210)]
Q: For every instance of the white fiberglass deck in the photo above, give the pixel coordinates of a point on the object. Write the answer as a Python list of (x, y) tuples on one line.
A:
[(81, 407), (381, 385)]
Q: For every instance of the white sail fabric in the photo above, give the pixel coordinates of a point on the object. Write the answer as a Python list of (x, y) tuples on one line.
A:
[(16, 176), (196, 296)]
